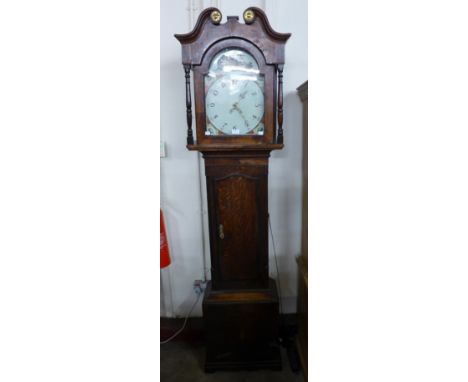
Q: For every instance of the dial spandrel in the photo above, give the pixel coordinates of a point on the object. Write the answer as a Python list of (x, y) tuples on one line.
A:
[(234, 98)]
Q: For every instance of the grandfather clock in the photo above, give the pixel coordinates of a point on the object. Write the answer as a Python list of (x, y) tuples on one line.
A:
[(238, 90)]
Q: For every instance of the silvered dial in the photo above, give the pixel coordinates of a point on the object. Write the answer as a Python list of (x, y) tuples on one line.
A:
[(234, 95)]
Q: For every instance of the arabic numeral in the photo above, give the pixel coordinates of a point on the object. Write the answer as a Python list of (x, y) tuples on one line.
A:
[(212, 104), (215, 92)]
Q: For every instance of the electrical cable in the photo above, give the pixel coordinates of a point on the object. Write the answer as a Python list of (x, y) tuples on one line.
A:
[(185, 322), (201, 292)]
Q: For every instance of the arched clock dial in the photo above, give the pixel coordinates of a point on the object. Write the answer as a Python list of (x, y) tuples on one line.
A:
[(234, 99)]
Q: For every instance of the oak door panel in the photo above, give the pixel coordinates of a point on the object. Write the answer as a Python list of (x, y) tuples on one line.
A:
[(239, 231), (238, 215)]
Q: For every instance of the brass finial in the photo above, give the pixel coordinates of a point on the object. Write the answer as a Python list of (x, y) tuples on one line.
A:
[(249, 16), (215, 17)]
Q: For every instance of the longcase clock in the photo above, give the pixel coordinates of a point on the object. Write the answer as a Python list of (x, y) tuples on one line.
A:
[(237, 70)]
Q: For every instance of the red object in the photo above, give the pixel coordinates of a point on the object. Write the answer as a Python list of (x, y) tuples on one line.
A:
[(164, 251)]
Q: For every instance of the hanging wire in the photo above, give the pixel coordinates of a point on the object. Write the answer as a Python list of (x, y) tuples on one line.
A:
[(276, 262)]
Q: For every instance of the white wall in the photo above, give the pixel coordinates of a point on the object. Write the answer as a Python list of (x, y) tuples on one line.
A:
[(180, 176)]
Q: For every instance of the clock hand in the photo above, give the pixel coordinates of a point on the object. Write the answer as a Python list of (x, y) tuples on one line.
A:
[(236, 107)]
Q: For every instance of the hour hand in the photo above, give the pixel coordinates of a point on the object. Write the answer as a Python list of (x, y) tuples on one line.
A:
[(234, 107)]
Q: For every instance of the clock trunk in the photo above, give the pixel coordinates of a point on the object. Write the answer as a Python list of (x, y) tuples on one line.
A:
[(237, 185)]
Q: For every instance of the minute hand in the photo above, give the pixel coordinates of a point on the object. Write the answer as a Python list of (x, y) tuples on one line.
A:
[(236, 107)]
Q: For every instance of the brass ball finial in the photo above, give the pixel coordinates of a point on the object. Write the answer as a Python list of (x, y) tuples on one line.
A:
[(249, 16), (215, 17)]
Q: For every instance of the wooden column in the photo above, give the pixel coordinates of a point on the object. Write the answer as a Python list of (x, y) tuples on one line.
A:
[(188, 104), (279, 138)]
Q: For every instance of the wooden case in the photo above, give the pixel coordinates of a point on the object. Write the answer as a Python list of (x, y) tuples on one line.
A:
[(240, 306)]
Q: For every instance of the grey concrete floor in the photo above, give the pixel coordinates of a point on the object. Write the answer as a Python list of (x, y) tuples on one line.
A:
[(183, 362)]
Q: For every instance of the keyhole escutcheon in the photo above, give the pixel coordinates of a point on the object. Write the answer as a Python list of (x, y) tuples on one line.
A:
[(221, 231)]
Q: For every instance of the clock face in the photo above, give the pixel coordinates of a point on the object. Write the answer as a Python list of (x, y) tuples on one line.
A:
[(234, 99)]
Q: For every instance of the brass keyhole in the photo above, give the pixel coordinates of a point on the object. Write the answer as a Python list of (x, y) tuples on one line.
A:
[(221, 232)]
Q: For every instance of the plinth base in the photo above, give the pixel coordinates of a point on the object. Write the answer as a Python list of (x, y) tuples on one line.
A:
[(242, 358), (241, 329)]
